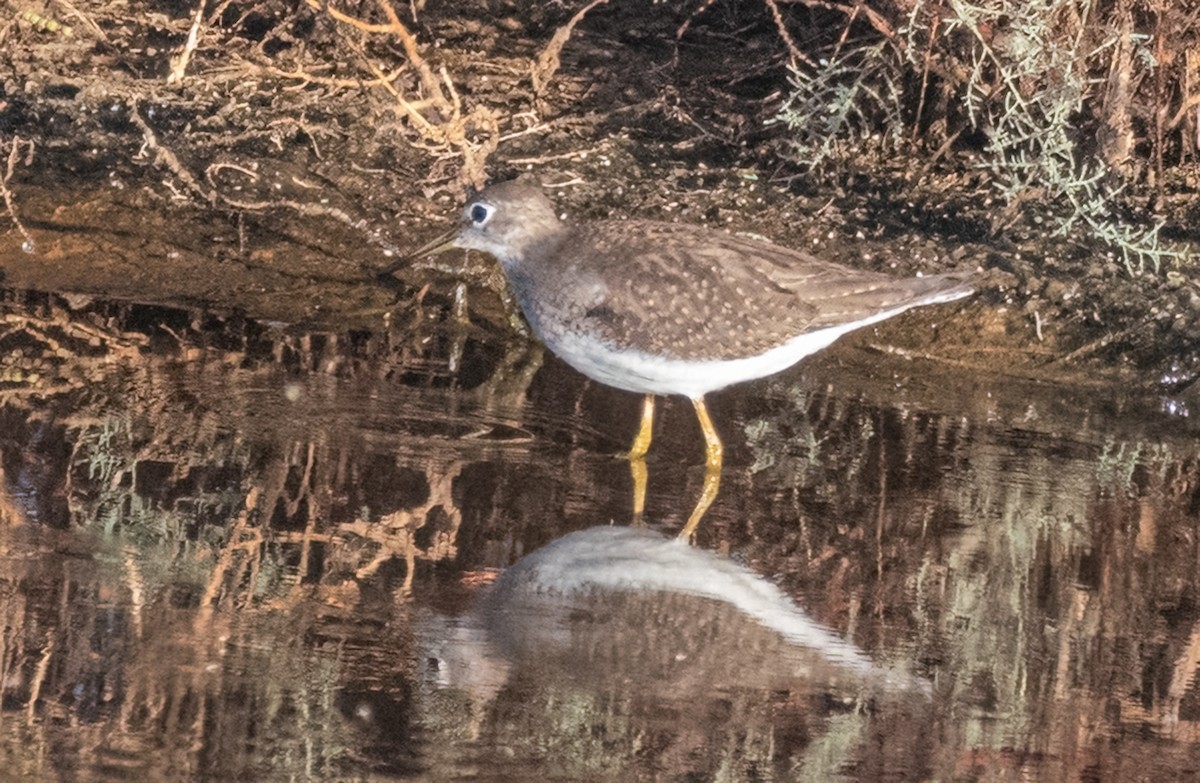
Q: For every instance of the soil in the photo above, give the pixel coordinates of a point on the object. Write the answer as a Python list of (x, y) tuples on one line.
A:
[(294, 154)]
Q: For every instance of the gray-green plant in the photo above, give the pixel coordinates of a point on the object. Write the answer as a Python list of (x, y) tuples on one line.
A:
[(853, 97), (1026, 87), (1025, 73)]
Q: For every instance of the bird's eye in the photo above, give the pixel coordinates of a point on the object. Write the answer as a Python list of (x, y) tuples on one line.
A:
[(481, 213)]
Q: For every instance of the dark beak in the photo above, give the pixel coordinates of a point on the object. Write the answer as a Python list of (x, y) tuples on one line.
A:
[(438, 245)]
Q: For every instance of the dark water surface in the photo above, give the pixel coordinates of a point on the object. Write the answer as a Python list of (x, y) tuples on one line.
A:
[(233, 552)]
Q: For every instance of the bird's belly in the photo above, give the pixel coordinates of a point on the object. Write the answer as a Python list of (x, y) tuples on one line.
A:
[(637, 371)]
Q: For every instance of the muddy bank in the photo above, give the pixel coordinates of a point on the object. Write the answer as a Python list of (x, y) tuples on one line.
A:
[(266, 165)]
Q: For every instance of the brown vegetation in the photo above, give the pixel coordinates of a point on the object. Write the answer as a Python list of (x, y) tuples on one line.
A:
[(1055, 141)]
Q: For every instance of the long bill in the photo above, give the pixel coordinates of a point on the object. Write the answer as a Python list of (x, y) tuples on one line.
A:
[(437, 245)]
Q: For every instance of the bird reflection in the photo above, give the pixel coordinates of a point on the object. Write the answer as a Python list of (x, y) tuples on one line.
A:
[(627, 607)]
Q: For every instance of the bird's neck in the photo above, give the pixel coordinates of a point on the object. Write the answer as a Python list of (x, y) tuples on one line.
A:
[(535, 254)]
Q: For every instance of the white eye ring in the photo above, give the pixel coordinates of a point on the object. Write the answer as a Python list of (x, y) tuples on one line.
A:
[(479, 213)]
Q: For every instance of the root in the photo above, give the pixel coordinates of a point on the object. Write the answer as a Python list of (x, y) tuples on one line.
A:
[(547, 63), (163, 156), (10, 202)]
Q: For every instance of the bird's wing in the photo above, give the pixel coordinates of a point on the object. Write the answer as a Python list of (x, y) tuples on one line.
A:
[(695, 293)]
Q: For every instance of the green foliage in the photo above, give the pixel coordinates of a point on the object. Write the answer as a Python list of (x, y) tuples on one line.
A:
[(832, 111)]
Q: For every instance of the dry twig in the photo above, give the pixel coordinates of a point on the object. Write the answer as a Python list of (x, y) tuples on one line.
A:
[(683, 28), (473, 135), (87, 21), (881, 25), (163, 156), (547, 63), (10, 203), (786, 36), (180, 62)]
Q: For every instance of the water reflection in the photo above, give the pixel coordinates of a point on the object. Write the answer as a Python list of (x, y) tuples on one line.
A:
[(661, 608), (610, 635), (231, 551)]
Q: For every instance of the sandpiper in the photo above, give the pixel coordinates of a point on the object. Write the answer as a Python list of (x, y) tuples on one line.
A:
[(673, 308)]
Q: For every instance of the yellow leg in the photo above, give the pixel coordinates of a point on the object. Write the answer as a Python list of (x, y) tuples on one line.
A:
[(641, 444), (637, 461), (712, 469), (637, 468)]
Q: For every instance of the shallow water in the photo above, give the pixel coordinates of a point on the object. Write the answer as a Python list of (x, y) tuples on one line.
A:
[(237, 552)]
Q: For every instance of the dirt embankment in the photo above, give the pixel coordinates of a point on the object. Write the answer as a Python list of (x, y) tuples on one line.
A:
[(267, 158)]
